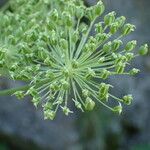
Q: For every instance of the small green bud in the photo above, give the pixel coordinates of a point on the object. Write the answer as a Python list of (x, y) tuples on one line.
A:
[(75, 36), (104, 74), (103, 91), (102, 37), (90, 73), (67, 19), (47, 106), (19, 94), (32, 91), (14, 66), (49, 114), (83, 28), (134, 71), (130, 45), (65, 84), (91, 47), (107, 47), (143, 50), (114, 55), (36, 100), (89, 104), (118, 109), (127, 29), (54, 15), (109, 18), (80, 12), (50, 74), (65, 72), (75, 64), (64, 44), (85, 92), (90, 13), (120, 68), (48, 62), (113, 28), (66, 110), (129, 56), (54, 86), (53, 38), (116, 44), (99, 8), (127, 99), (120, 21), (98, 28), (101, 60)]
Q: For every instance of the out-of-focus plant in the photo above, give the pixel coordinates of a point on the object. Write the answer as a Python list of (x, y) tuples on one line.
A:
[(46, 44)]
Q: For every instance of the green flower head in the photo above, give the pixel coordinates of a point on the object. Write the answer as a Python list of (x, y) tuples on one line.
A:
[(47, 45)]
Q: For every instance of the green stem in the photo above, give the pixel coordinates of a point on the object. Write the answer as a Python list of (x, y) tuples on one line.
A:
[(22, 88), (11, 91)]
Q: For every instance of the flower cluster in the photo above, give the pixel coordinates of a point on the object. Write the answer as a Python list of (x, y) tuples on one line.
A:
[(46, 44)]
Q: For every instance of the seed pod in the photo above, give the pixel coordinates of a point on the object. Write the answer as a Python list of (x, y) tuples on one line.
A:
[(65, 85), (47, 61), (67, 19), (80, 12), (85, 93), (130, 45), (118, 109), (113, 28), (83, 28), (36, 100), (19, 94), (101, 60), (120, 21), (109, 18), (50, 75), (98, 28), (89, 104), (32, 91), (102, 37), (103, 91), (129, 56), (54, 86), (64, 44), (47, 106), (127, 29), (107, 47), (143, 50), (53, 38), (75, 37), (120, 68), (90, 73), (99, 8), (42, 54), (54, 15), (134, 71), (49, 114), (116, 44), (127, 99), (104, 74), (90, 13)]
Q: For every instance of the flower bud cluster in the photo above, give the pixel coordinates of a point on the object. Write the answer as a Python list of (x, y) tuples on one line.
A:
[(46, 44)]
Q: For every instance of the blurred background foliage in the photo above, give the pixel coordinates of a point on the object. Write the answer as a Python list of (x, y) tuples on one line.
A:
[(22, 126)]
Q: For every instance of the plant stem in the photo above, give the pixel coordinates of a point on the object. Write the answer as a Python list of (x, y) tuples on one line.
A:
[(11, 91), (26, 87)]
